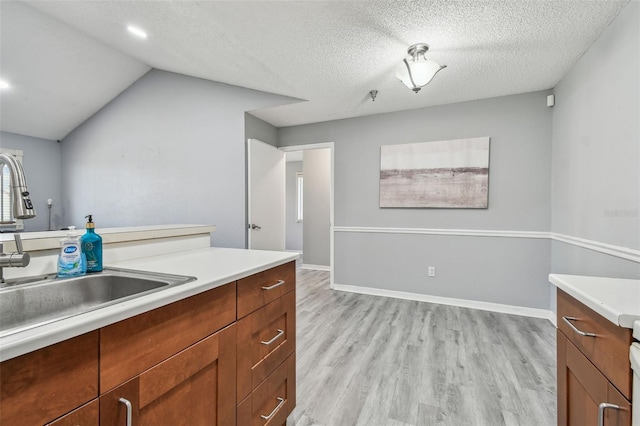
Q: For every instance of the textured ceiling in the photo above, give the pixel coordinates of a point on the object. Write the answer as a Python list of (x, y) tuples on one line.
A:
[(330, 53)]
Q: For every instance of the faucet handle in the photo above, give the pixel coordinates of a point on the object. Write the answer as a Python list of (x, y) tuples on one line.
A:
[(18, 243)]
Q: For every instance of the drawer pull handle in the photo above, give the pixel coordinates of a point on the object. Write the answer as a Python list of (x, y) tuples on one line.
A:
[(280, 333), (601, 409), (280, 404), (574, 328), (277, 284), (127, 404)]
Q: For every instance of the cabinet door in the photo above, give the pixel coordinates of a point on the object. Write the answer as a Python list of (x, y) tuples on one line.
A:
[(582, 388), (40, 386), (114, 408), (194, 387), (87, 415)]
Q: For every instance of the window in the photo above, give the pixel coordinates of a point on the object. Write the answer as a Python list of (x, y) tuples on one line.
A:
[(6, 209), (299, 195)]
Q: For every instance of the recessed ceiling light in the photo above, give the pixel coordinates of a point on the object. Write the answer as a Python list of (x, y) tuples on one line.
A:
[(4, 84), (136, 31)]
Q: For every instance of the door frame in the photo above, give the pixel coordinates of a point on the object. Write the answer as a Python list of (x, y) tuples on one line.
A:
[(330, 146)]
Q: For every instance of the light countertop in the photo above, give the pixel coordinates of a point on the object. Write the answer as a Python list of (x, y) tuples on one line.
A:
[(212, 267), (616, 299)]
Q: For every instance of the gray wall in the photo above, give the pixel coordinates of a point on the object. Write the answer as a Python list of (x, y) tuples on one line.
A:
[(596, 152), (519, 200), (169, 149), (42, 167), (293, 227), (317, 215), (254, 128)]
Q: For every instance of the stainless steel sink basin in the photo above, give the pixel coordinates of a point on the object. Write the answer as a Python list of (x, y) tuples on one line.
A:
[(46, 299)]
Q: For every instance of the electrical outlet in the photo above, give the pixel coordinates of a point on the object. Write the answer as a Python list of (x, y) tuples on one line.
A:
[(432, 271)]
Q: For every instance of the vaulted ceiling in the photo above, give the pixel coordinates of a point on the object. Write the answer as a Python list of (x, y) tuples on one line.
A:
[(67, 59)]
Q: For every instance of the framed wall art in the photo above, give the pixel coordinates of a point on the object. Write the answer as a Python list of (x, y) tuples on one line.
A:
[(442, 174)]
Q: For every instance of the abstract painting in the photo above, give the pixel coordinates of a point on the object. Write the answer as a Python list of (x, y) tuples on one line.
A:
[(442, 174)]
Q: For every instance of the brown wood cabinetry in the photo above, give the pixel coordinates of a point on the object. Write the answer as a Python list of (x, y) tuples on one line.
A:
[(40, 386), (266, 388), (130, 347), (273, 400), (265, 339), (195, 386), (87, 415), (177, 364), (592, 370), (259, 289)]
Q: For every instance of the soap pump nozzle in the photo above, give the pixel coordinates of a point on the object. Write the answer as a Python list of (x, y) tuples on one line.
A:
[(90, 223)]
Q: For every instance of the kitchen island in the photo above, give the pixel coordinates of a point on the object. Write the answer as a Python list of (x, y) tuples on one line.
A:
[(595, 317), (216, 349)]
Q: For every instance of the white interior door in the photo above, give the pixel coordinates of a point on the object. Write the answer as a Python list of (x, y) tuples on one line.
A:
[(266, 196)]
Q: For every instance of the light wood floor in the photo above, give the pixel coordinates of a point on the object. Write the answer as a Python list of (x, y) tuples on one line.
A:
[(374, 361)]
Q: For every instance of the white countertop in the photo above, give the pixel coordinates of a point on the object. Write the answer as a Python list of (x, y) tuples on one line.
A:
[(616, 299), (213, 267)]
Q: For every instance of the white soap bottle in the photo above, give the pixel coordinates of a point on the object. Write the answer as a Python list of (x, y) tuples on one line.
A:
[(71, 262)]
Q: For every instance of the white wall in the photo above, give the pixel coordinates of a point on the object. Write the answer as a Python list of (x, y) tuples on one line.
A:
[(42, 167), (317, 201), (485, 268), (294, 229), (169, 149), (596, 152)]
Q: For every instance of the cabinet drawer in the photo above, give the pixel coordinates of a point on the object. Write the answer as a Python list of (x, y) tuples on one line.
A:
[(608, 350), (259, 289), (582, 388), (265, 339), (43, 385), (134, 345), (272, 401)]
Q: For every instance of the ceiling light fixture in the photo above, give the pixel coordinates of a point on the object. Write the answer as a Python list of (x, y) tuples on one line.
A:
[(417, 71), (4, 84), (136, 31)]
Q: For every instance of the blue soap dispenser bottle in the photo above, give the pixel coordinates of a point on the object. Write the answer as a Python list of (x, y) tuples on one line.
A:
[(92, 246)]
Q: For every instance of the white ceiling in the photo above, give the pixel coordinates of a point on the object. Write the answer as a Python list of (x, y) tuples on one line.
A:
[(330, 53)]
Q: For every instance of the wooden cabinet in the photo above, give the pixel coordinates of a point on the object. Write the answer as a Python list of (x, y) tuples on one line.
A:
[(266, 338), (194, 387), (87, 415), (177, 364), (273, 400), (129, 347), (39, 387), (266, 379), (592, 369), (264, 287)]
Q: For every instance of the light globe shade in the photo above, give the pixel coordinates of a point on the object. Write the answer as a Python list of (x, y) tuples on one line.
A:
[(422, 72)]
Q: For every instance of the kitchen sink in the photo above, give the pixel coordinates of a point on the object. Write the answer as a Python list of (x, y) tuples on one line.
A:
[(28, 303)]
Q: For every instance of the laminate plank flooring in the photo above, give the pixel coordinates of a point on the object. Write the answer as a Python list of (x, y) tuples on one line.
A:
[(375, 361)]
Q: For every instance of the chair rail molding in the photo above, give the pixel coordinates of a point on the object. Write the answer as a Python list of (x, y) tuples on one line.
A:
[(605, 248)]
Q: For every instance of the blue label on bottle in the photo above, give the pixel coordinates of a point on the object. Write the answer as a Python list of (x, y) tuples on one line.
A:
[(70, 249)]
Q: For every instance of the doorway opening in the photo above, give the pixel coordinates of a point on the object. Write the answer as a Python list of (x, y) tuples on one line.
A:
[(309, 204)]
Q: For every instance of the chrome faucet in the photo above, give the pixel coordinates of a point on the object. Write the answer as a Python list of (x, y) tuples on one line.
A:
[(22, 209), (22, 205), (19, 259)]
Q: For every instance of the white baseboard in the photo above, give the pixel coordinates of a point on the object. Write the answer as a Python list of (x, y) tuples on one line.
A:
[(315, 267), (463, 303)]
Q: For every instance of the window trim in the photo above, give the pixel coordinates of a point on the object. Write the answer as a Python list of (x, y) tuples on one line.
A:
[(18, 224), (299, 196)]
